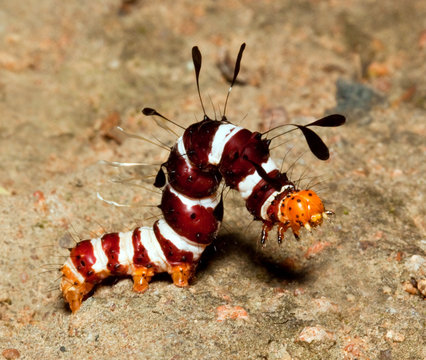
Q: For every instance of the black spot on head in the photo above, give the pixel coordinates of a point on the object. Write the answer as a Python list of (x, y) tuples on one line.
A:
[(298, 200), (297, 216), (289, 208), (170, 253), (310, 194), (183, 258), (82, 263), (193, 216), (245, 157), (292, 198)]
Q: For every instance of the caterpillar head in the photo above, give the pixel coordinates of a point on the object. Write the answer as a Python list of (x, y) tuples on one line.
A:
[(301, 209)]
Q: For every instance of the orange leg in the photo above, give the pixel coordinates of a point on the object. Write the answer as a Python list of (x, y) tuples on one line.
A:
[(72, 290), (141, 278), (181, 274)]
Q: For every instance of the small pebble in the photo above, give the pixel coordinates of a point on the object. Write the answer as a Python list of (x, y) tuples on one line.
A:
[(350, 297), (298, 291), (414, 263), (315, 333), (323, 305), (231, 312), (394, 336), (421, 285), (387, 290), (408, 287), (385, 355), (11, 354)]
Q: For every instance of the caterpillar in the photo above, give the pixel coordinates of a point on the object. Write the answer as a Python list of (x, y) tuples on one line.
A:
[(208, 153)]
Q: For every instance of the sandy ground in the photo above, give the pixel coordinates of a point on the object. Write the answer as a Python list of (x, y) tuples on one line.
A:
[(70, 71)]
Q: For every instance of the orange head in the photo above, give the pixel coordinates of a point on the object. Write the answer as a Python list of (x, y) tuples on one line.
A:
[(301, 208)]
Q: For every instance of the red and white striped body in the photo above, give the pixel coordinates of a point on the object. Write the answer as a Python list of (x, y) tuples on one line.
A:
[(191, 205)]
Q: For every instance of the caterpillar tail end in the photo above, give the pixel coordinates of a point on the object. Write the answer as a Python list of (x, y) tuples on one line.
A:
[(297, 210), (73, 290)]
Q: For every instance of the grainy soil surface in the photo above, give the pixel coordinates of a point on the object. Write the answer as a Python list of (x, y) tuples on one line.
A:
[(70, 71)]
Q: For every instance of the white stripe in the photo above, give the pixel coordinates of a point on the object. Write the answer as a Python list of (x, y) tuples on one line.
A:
[(181, 242), (99, 255), (206, 202), (153, 248), (69, 263), (127, 252), (182, 150), (221, 137), (246, 186), (267, 203)]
